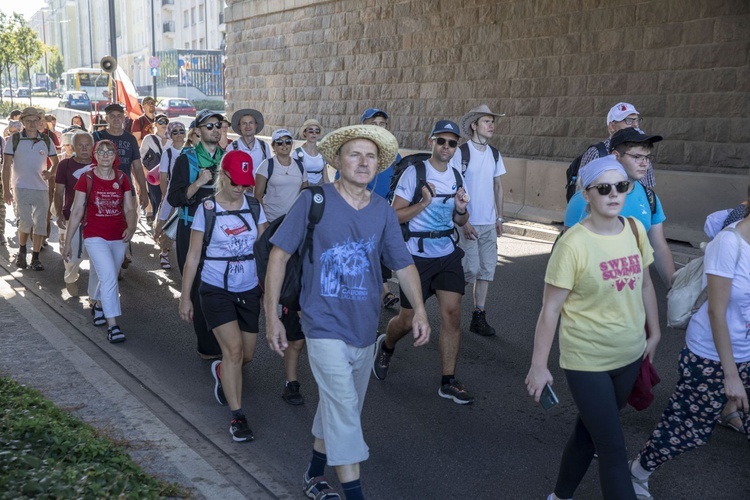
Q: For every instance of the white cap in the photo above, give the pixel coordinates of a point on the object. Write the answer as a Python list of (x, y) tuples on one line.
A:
[(278, 134), (620, 111)]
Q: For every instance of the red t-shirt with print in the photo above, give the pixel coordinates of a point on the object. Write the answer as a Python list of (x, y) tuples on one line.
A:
[(105, 214)]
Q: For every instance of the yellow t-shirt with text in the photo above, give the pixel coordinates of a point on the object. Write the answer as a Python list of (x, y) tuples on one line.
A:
[(603, 318)]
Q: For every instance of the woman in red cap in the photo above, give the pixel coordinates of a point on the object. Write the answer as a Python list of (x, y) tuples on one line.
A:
[(104, 205), (229, 289)]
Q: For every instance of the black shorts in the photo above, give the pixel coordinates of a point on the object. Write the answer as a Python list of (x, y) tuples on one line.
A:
[(440, 273), (221, 307), (387, 273), (292, 325)]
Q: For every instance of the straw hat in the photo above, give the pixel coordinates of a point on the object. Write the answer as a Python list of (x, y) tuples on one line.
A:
[(387, 144), (309, 123), (31, 112), (473, 116)]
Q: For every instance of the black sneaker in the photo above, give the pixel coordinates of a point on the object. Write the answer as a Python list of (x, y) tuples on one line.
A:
[(291, 394), (20, 260), (218, 389), (36, 265), (240, 431), (115, 335), (318, 488), (382, 360), (479, 324), (456, 391)]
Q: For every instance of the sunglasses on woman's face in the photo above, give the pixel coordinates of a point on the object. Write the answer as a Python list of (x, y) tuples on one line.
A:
[(313, 131), (163, 122), (178, 132), (281, 142), (605, 189)]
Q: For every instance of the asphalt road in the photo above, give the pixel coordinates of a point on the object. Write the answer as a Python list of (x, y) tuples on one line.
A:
[(422, 446)]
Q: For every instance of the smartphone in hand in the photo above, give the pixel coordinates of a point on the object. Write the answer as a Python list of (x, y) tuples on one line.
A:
[(548, 399)]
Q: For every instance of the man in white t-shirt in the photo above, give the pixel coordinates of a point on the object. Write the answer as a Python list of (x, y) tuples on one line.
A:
[(246, 123), (482, 168), (431, 201), (25, 179)]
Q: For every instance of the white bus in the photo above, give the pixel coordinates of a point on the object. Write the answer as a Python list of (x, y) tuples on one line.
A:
[(95, 82)]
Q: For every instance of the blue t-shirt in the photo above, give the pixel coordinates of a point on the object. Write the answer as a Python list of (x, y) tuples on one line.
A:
[(341, 288), (636, 205)]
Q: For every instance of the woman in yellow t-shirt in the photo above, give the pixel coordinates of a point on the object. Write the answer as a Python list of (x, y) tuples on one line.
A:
[(598, 279)]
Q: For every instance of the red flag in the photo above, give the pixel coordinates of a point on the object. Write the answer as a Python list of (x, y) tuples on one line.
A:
[(127, 95)]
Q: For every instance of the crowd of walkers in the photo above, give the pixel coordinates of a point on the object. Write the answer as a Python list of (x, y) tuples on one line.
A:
[(430, 220)]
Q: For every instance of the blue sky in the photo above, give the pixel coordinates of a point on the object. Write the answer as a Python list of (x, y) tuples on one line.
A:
[(25, 8)]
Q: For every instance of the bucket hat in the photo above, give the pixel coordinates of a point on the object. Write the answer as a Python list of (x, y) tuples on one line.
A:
[(473, 116)]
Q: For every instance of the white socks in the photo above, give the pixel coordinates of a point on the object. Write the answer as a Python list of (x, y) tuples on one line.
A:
[(638, 471)]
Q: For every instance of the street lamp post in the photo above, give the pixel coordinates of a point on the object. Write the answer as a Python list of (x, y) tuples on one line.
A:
[(44, 39)]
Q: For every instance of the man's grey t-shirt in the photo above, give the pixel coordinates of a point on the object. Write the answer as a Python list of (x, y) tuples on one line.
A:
[(341, 288)]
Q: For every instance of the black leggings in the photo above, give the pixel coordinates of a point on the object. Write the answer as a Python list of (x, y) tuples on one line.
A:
[(599, 397)]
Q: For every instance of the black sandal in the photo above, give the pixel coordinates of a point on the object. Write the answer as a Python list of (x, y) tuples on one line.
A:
[(390, 300)]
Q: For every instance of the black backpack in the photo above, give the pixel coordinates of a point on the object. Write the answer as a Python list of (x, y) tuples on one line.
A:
[(399, 169), (209, 210), (571, 174), (421, 169), (466, 156), (292, 286)]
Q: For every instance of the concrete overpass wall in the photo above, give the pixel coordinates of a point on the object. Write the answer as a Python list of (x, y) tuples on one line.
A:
[(554, 66)]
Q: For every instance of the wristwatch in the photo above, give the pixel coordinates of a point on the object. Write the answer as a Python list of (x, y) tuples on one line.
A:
[(500, 219)]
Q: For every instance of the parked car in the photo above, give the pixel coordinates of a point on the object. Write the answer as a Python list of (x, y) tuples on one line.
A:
[(39, 90), (75, 100), (23, 92), (8, 92), (173, 107)]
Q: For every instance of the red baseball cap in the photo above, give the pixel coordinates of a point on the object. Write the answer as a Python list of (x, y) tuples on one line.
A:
[(239, 166)]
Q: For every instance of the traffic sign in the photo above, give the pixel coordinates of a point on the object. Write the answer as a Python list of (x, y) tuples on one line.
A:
[(154, 62), (154, 71)]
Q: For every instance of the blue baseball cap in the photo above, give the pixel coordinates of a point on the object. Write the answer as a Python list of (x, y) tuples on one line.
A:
[(372, 112), (443, 126)]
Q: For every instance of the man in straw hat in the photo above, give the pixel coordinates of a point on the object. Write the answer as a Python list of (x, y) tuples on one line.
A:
[(482, 168), (26, 178), (340, 298), (431, 201), (246, 123)]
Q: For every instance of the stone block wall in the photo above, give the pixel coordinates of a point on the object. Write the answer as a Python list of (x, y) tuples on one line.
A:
[(555, 67)]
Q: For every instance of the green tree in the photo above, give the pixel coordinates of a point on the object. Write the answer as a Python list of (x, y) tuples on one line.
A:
[(30, 48), (8, 49), (56, 65)]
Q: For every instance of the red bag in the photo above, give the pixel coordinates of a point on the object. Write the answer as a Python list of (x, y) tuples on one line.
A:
[(641, 396)]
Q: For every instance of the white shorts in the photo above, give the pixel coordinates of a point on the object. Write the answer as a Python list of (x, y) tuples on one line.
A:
[(342, 372), (32, 206), (480, 255)]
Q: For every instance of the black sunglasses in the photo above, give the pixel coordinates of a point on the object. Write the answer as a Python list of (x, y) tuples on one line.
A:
[(212, 125), (283, 141), (178, 132), (162, 122), (605, 189), (441, 141)]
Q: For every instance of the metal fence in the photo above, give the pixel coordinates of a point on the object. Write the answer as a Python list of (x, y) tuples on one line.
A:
[(201, 69)]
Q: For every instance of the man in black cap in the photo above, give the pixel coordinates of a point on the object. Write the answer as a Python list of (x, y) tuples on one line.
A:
[(192, 180), (127, 149), (431, 201), (144, 124)]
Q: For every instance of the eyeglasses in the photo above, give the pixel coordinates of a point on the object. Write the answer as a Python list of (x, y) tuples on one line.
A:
[(640, 158), (633, 121), (441, 141), (232, 182), (605, 189), (313, 131), (283, 141), (105, 153), (178, 132), (212, 125), (162, 122)]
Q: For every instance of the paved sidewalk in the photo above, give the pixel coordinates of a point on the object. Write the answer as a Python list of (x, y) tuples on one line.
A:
[(34, 351)]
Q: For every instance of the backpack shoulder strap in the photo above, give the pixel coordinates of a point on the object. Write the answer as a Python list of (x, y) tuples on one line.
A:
[(300, 165), (317, 207), (254, 206), (192, 158), (270, 168), (298, 153), (169, 154), (495, 153), (235, 145), (264, 148), (97, 136), (634, 228), (465, 157), (15, 139), (158, 144), (209, 216), (602, 149), (421, 170), (651, 199), (459, 178)]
